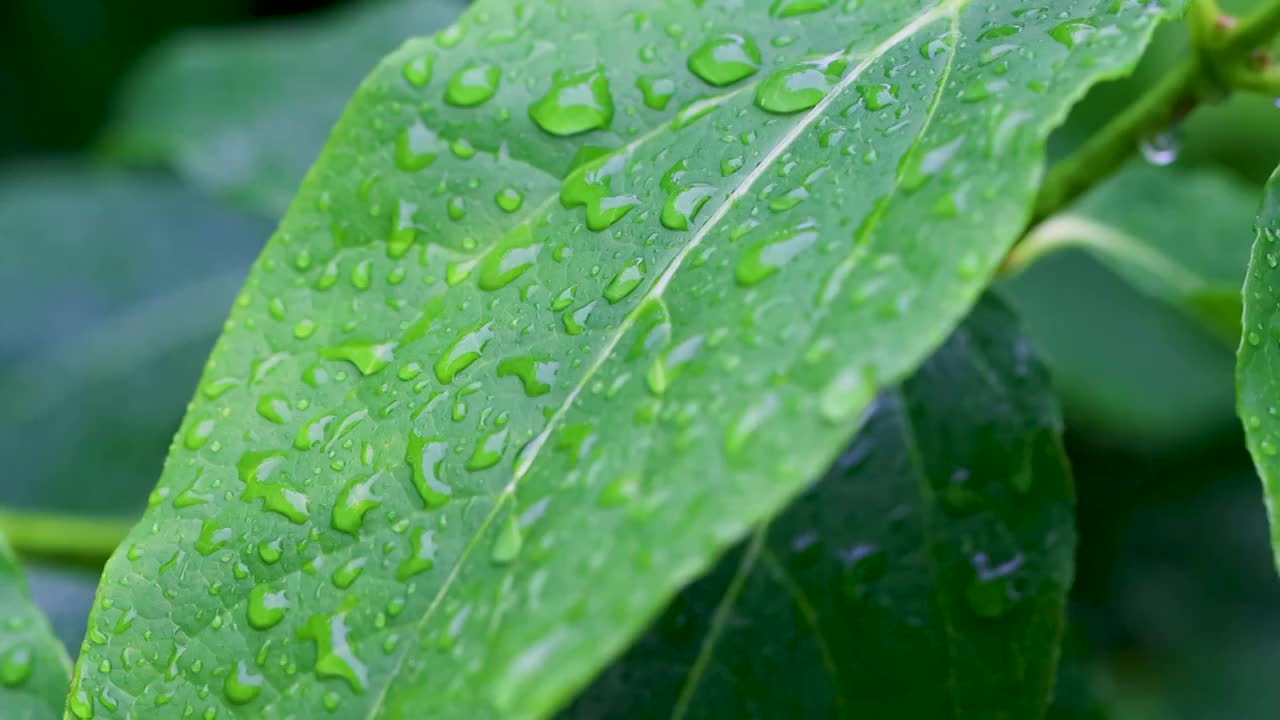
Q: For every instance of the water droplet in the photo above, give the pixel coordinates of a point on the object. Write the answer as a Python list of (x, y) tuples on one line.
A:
[(575, 323), (367, 357), (576, 103), (472, 85), (335, 654), (507, 545), (725, 59), (657, 90), (878, 97), (464, 350), (798, 87), (254, 469), (536, 374), (418, 70), (422, 555), (627, 279), (424, 457), (789, 8), (1072, 32), (848, 393), (509, 199), (354, 500), (242, 685), (766, 257), (212, 537), (417, 147), (1161, 148), (15, 666), (346, 574), (509, 259), (198, 433), (488, 451), (667, 367), (274, 407), (266, 607), (994, 590), (590, 186)]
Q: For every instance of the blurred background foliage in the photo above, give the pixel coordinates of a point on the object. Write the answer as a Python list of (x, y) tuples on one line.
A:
[(147, 149)]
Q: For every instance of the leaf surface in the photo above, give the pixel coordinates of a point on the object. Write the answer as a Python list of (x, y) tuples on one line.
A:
[(1168, 232), (1257, 383), (245, 111), (924, 576), (34, 668), (558, 316), (124, 282)]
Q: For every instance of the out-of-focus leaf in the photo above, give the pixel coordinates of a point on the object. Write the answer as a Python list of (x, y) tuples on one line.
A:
[(1172, 234), (115, 288), (1257, 376), (1129, 368), (924, 577), (245, 111), (575, 297), (34, 668), (64, 593)]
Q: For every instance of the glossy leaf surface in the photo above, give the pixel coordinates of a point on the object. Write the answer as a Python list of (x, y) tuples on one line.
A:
[(34, 669), (924, 576), (1257, 381), (123, 283), (245, 112), (557, 318)]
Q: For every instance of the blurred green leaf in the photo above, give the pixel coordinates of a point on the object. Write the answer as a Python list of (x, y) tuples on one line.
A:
[(444, 354), (924, 577), (117, 286), (244, 112), (1130, 369), (34, 668), (1176, 235), (1258, 383)]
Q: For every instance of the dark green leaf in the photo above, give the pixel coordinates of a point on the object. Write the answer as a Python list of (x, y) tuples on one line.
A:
[(924, 577), (34, 669), (1168, 232), (122, 282), (549, 329), (1257, 383), (245, 112)]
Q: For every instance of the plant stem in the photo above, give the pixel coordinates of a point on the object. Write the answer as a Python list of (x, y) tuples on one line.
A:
[(1103, 153), (75, 539), (1254, 31)]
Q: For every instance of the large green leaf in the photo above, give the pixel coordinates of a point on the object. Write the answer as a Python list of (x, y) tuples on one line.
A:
[(523, 405), (34, 668), (1257, 383), (924, 577), (1172, 233), (122, 282), (245, 111)]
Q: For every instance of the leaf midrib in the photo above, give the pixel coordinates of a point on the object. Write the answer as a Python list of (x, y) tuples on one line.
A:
[(532, 450)]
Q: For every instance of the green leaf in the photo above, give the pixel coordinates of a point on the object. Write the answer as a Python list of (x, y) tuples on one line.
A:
[(1166, 231), (924, 577), (34, 668), (124, 282), (514, 370), (1257, 386), (1127, 366), (245, 111)]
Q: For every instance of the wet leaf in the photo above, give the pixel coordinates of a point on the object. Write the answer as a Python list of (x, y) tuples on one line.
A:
[(245, 111), (532, 348), (1166, 231), (924, 576), (123, 283), (34, 668), (1257, 386)]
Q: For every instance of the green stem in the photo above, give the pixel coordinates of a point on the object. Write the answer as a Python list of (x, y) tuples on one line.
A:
[(1103, 153), (69, 538), (1253, 32)]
